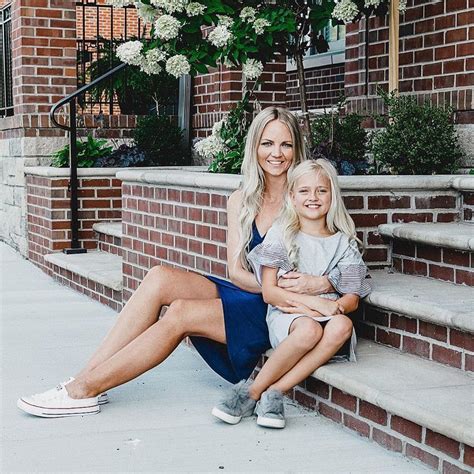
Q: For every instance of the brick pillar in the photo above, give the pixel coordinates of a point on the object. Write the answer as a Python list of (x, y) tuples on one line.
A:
[(44, 71), (214, 94)]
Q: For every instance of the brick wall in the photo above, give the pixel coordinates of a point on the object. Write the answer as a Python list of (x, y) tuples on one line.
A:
[(324, 86), (215, 93), (49, 212)]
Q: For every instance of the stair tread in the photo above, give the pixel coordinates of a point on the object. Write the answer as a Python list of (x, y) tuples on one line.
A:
[(109, 228), (424, 392), (452, 234), (430, 300), (101, 267)]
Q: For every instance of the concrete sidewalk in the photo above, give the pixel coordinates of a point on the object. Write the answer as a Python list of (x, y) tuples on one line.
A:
[(159, 422)]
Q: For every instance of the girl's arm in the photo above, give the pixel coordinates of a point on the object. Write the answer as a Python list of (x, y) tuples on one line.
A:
[(276, 296), (349, 303), (239, 275)]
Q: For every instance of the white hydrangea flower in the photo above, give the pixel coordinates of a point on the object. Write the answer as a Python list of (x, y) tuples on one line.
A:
[(219, 36), (177, 65), (151, 62), (216, 128), (260, 24), (130, 52), (209, 147), (195, 8), (170, 6), (226, 21), (345, 11), (146, 12), (402, 6), (252, 69), (120, 3), (371, 3), (248, 14), (167, 27)]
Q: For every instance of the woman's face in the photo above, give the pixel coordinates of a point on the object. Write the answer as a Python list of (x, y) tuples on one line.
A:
[(275, 150)]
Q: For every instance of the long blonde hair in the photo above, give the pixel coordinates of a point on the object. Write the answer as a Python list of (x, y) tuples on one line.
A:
[(337, 218), (253, 183)]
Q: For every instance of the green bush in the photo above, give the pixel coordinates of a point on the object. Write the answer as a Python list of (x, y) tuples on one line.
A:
[(340, 139), (88, 151), (161, 141), (418, 139)]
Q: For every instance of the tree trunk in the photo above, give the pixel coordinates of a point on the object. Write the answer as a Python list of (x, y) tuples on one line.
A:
[(303, 100)]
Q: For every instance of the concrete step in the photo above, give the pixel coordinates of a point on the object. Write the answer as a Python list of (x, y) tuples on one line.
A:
[(413, 406), (96, 274), (428, 318), (443, 251), (109, 237)]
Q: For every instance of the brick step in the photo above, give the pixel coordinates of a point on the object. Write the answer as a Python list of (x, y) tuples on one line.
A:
[(109, 237), (412, 406), (443, 251), (428, 318), (96, 274)]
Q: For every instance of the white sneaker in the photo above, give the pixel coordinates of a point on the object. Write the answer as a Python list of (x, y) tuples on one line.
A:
[(103, 397), (56, 403)]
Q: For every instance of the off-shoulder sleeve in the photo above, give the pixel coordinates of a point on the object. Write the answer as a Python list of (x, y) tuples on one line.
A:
[(350, 273), (270, 253)]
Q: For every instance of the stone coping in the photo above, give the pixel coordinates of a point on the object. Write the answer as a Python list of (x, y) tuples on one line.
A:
[(438, 302), (422, 391), (453, 235), (53, 172), (101, 267), (229, 182), (109, 228)]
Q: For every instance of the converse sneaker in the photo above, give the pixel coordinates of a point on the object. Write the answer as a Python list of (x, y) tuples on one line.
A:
[(236, 405), (57, 403), (103, 397), (270, 410)]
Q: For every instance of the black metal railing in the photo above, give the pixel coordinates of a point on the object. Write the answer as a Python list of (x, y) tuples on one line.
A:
[(6, 83), (72, 129)]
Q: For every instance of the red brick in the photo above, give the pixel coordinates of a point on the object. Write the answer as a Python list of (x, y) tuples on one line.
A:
[(330, 412), (372, 412), (402, 323), (447, 356), (218, 201), (428, 252), (469, 455), (388, 202), (174, 195), (387, 441), (354, 202), (414, 267), (369, 220), (433, 331), (402, 247), (344, 399), (356, 425), (305, 399), (449, 468), (388, 338), (419, 217), (188, 197), (203, 199), (416, 346), (422, 455), (435, 202), (317, 387), (441, 273), (407, 428), (376, 316), (464, 277)]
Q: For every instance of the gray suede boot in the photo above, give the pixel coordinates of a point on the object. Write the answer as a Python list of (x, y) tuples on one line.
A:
[(236, 405), (270, 410)]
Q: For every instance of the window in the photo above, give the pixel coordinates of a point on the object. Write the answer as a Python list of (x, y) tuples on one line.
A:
[(6, 91)]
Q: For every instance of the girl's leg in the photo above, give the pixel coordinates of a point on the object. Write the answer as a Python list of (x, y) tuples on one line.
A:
[(335, 334), (303, 336), (161, 286), (183, 318)]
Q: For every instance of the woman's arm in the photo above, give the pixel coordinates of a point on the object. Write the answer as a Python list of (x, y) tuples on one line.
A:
[(297, 282), (276, 296), (239, 275)]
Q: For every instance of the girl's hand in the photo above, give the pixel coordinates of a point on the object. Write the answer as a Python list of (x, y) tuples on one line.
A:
[(303, 283), (298, 308), (330, 308)]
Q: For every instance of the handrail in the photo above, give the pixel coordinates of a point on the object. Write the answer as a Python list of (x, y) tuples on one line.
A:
[(81, 91), (71, 128)]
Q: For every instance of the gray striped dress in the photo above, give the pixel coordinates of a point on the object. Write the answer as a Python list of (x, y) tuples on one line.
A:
[(335, 256)]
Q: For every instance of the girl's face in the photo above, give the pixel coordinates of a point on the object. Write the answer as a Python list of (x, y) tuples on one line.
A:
[(311, 196), (275, 150)]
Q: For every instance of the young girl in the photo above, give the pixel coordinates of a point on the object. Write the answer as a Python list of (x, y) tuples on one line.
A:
[(316, 235)]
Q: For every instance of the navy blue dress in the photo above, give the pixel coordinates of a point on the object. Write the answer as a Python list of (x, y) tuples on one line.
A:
[(245, 328)]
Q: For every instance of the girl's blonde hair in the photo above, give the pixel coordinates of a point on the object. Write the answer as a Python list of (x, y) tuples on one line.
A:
[(253, 183), (337, 218)]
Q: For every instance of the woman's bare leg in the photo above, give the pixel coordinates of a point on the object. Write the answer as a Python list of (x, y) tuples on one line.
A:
[(183, 318), (303, 336), (335, 334), (161, 286)]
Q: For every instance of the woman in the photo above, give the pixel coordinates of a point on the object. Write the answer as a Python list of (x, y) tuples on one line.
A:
[(226, 321)]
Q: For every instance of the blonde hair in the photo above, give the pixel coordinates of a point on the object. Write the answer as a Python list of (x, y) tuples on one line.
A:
[(253, 183), (337, 218)]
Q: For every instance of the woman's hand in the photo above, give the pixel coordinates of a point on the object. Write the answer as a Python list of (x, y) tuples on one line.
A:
[(294, 307), (327, 307), (303, 283)]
